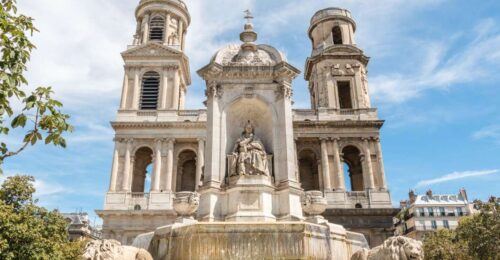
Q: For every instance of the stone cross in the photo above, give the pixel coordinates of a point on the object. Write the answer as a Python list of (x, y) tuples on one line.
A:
[(248, 16)]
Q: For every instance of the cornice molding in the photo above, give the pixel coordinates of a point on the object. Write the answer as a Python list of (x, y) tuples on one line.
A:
[(169, 125), (341, 123)]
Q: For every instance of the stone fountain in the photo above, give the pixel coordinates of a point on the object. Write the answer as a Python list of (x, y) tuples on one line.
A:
[(313, 238)]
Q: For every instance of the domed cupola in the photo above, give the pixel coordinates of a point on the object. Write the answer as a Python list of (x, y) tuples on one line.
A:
[(248, 54)]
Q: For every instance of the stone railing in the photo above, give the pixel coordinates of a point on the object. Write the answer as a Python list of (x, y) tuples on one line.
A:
[(147, 113), (138, 200), (188, 113), (326, 113), (357, 194)]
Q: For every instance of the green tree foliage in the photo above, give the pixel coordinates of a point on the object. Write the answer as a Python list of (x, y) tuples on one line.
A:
[(28, 231), (37, 113), (476, 237), (482, 231), (443, 245)]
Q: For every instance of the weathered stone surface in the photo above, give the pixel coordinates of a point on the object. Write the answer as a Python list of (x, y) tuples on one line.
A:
[(113, 250), (394, 248), (284, 240)]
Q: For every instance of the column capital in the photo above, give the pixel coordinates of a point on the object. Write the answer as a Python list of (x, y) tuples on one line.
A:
[(324, 139), (335, 139), (366, 139), (201, 139), (170, 140), (159, 140)]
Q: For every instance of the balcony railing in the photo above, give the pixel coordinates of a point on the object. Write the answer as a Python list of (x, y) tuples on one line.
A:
[(139, 195), (357, 194)]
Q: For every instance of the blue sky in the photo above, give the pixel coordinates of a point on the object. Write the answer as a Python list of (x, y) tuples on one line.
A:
[(434, 75)]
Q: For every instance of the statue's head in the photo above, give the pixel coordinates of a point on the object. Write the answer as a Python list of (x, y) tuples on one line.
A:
[(248, 128)]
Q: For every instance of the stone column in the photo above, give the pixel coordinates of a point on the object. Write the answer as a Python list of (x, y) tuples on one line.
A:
[(200, 162), (214, 158), (123, 103), (297, 173), (368, 178), (338, 166), (180, 33), (285, 164), (164, 90), (167, 29), (324, 165), (137, 90), (155, 182), (320, 175), (114, 168), (127, 166), (145, 32), (381, 165), (175, 92), (170, 163)]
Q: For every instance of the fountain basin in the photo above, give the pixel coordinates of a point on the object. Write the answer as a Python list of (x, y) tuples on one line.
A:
[(243, 240)]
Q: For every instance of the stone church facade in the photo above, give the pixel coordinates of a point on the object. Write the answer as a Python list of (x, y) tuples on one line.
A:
[(333, 147)]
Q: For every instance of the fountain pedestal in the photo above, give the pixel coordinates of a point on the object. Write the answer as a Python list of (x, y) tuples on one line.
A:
[(243, 240), (250, 199)]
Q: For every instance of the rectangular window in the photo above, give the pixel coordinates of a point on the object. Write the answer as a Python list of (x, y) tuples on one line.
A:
[(422, 223), (460, 211), (344, 89), (442, 212), (434, 224), (446, 224), (431, 212)]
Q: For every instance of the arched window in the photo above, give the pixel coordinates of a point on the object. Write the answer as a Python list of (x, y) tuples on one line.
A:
[(150, 88), (186, 171), (354, 169), (337, 35), (157, 28), (308, 170), (142, 170)]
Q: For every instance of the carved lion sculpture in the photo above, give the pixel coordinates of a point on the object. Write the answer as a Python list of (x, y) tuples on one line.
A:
[(394, 248), (113, 250)]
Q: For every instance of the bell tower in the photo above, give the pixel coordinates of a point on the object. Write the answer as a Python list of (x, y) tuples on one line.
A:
[(156, 68), (336, 70)]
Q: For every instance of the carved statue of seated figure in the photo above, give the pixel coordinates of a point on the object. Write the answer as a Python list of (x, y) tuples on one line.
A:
[(249, 155)]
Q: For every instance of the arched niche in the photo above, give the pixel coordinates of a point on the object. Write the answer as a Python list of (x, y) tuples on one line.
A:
[(354, 167), (308, 170), (260, 114), (142, 168), (186, 171)]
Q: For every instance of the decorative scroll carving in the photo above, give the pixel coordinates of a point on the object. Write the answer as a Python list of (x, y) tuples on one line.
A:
[(214, 90), (284, 91)]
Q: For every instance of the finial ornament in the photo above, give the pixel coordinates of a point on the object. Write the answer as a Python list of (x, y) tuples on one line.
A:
[(248, 15)]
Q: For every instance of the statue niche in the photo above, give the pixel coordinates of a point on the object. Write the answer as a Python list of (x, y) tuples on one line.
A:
[(249, 155)]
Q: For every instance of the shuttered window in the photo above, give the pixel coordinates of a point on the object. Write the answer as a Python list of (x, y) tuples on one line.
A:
[(150, 88), (157, 28)]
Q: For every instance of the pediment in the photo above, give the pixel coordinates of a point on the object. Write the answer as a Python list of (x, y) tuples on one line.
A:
[(343, 49), (151, 49)]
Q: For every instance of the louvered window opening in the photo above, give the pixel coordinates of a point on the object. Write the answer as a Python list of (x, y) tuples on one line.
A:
[(150, 89), (157, 28)]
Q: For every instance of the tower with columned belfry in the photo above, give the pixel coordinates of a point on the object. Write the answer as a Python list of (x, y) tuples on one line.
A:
[(159, 145), (348, 127), (161, 148)]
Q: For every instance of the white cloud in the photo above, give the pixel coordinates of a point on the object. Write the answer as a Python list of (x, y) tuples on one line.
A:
[(491, 132), (43, 187), (455, 176), (441, 68)]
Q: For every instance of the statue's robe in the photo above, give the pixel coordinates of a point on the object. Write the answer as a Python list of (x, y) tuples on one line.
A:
[(252, 155)]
